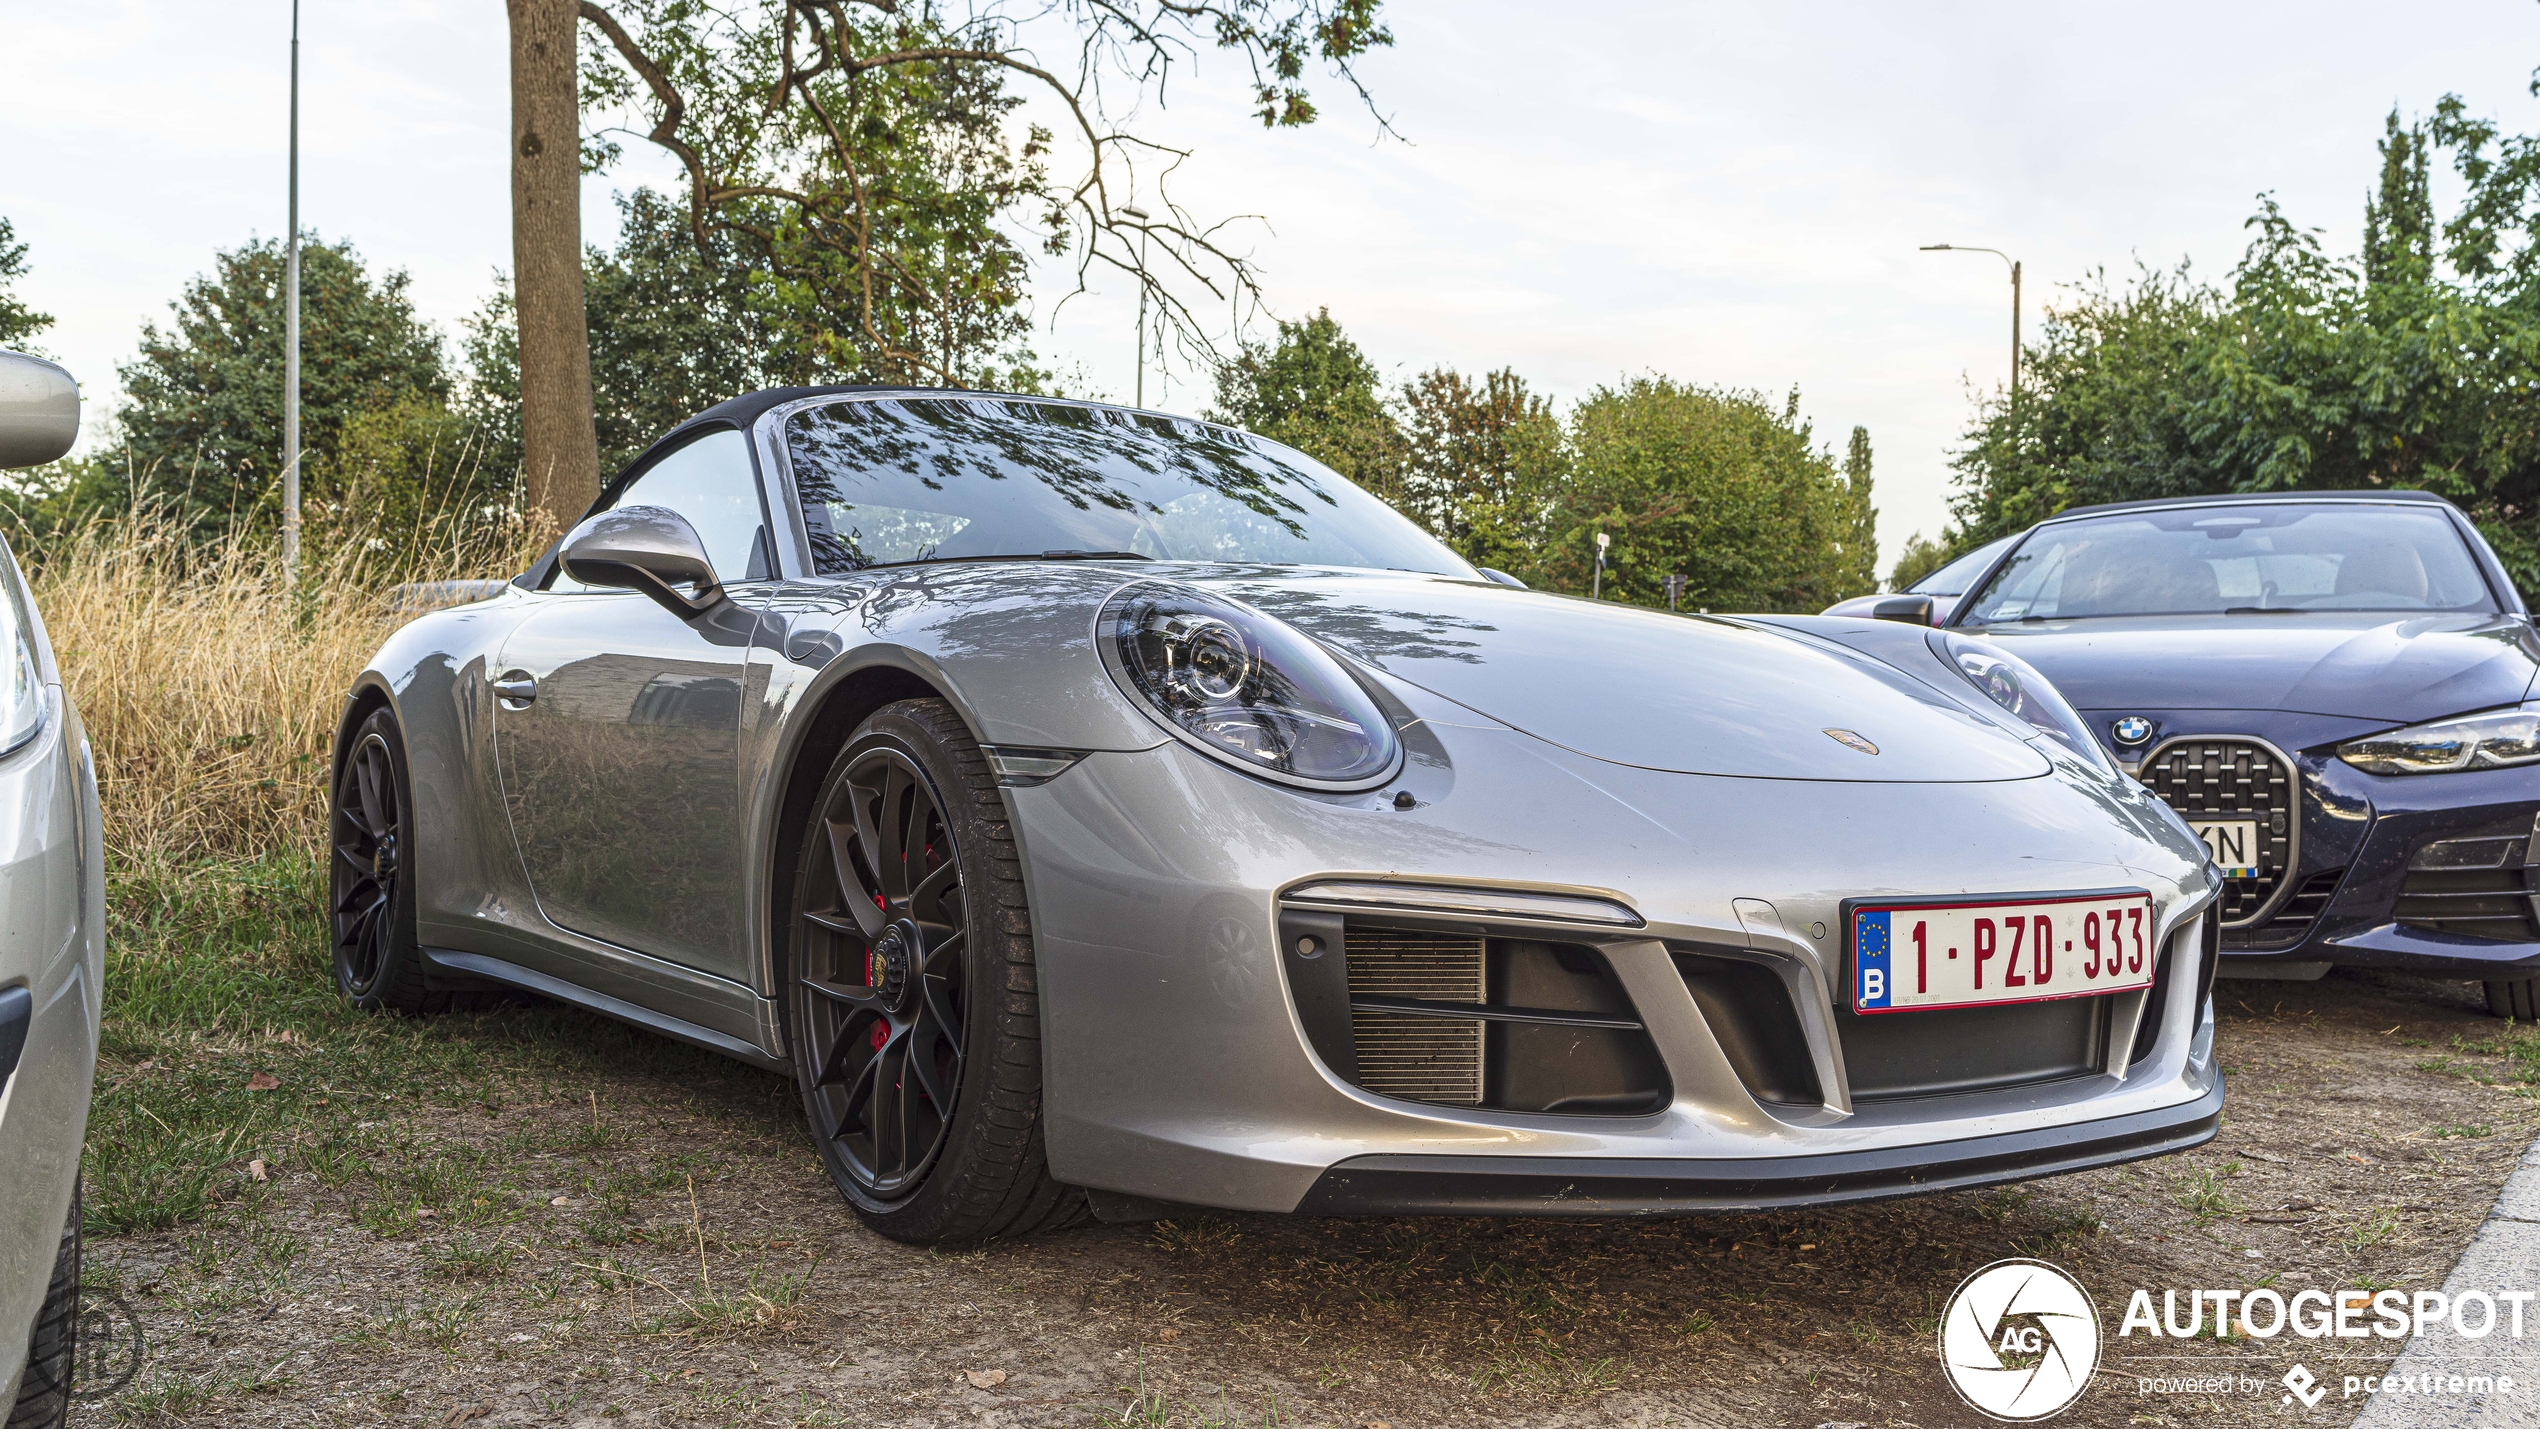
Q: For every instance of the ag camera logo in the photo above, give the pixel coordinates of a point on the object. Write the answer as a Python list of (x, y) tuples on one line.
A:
[(2019, 1341)]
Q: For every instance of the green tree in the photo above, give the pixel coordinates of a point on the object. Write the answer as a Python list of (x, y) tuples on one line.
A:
[(201, 428), (1716, 485), (2119, 397), (1920, 557), (18, 322), (672, 332), (1858, 552), (1483, 464), (2414, 365), (1314, 390), (858, 163)]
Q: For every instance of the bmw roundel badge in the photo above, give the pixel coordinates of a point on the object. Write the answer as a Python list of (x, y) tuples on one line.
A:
[(2133, 729)]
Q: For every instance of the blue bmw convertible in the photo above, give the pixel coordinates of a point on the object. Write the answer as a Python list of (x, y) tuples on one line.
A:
[(2334, 689)]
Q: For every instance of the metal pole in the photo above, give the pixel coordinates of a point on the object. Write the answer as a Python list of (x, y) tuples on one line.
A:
[(1132, 211), (291, 335), (2015, 335), (2015, 304)]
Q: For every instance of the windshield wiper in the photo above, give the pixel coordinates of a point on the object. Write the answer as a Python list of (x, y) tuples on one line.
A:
[(2261, 610)]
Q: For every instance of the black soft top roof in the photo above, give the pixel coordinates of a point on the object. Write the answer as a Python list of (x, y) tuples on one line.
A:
[(2227, 498)]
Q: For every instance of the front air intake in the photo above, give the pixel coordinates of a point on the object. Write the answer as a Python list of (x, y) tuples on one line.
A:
[(1428, 1059), (2484, 886), (1469, 1017)]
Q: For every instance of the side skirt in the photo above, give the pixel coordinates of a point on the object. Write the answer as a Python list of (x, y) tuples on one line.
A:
[(531, 980)]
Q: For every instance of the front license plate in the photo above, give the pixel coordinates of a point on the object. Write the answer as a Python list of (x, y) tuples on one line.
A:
[(2232, 843), (1909, 957)]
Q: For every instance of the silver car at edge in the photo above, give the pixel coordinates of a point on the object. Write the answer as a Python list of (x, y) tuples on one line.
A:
[(1104, 812), (52, 947)]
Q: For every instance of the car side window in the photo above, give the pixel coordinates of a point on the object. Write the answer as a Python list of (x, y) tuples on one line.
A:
[(710, 482)]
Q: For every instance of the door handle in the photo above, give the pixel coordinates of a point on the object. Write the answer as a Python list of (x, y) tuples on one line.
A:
[(516, 689)]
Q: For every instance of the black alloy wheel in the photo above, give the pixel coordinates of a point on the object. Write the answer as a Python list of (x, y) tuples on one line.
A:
[(370, 902), (891, 988), (911, 1008)]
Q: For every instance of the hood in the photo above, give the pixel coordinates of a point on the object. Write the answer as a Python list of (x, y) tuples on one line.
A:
[(1640, 687), (2355, 664)]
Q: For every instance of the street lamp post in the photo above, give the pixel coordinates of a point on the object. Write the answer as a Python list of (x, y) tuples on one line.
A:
[(1133, 211), (291, 335), (2015, 304)]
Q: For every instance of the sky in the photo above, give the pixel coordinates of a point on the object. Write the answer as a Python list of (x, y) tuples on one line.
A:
[(1727, 194)]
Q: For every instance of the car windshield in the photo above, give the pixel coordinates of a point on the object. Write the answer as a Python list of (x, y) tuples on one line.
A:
[(896, 481), (2234, 560), (1955, 577)]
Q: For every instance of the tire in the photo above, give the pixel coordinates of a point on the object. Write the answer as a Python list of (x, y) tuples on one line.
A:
[(370, 882), (2519, 1000), (911, 999), (44, 1391)]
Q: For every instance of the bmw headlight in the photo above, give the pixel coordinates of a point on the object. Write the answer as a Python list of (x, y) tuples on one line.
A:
[(1243, 687), (2499, 739), (2010, 682)]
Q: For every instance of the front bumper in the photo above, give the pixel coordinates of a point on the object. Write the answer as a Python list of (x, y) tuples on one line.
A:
[(2382, 844), (1415, 1185), (52, 916), (2379, 856), (1179, 1067)]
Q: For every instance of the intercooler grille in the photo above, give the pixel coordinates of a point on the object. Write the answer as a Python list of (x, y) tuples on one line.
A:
[(1429, 1059), (2234, 779)]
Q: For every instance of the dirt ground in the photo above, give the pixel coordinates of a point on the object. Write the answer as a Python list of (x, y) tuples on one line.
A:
[(628, 1232)]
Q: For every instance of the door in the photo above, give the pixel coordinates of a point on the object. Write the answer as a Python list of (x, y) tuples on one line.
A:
[(617, 729)]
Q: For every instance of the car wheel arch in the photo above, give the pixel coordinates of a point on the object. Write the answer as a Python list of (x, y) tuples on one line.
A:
[(368, 693), (828, 718)]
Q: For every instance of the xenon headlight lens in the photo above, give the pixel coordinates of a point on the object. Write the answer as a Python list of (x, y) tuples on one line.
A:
[(1246, 688), (2012, 683), (2499, 739)]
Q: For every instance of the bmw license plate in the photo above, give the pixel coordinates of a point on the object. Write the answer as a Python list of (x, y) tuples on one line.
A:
[(2232, 843), (1909, 957)]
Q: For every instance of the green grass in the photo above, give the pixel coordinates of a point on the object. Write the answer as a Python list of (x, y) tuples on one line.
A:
[(2201, 1192), (2377, 1226), (217, 975)]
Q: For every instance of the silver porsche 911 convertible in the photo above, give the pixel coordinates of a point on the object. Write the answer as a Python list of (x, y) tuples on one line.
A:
[(1104, 812)]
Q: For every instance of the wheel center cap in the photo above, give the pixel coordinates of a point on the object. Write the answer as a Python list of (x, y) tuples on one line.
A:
[(383, 857), (893, 963)]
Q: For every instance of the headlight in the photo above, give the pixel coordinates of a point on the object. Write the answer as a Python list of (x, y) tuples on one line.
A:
[(21, 688), (2008, 681), (1245, 688), (2499, 739)]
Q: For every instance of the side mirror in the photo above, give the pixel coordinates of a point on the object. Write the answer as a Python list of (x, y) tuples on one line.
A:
[(1912, 609), (39, 410), (646, 548)]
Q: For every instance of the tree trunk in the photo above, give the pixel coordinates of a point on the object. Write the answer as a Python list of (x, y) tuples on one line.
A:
[(560, 452)]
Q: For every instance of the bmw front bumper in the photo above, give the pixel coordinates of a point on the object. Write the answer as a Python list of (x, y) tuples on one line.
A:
[(2436, 874)]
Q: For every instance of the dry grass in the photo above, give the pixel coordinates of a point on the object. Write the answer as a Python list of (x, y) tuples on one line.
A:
[(210, 688)]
